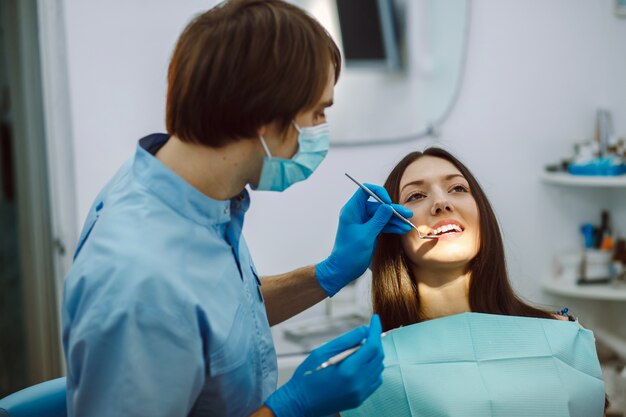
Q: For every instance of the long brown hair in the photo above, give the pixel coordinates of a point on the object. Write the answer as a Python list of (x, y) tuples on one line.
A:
[(394, 288)]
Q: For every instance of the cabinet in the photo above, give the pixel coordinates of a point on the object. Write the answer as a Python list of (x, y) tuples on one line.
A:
[(603, 304)]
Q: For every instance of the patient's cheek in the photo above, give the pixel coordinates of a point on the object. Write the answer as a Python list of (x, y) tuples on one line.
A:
[(410, 245)]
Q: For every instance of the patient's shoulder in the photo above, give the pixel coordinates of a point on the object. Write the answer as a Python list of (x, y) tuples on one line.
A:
[(565, 315)]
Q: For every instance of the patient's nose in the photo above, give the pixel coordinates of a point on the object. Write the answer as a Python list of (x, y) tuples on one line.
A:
[(441, 206)]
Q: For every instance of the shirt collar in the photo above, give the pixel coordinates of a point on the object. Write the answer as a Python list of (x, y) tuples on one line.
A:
[(178, 193)]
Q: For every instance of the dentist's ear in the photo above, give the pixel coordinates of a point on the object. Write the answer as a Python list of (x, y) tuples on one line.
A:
[(275, 135), (262, 130)]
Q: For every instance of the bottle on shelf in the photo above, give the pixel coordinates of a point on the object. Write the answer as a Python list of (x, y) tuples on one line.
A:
[(606, 233)]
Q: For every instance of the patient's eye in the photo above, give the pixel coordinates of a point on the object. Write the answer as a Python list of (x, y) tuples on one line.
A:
[(459, 188), (417, 195)]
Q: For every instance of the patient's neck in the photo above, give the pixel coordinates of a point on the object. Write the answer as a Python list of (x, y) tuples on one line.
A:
[(442, 292)]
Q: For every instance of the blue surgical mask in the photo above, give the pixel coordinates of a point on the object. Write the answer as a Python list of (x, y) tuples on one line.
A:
[(278, 174)]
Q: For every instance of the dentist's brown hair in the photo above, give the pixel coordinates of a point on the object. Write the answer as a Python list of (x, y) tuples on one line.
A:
[(244, 64), (395, 295)]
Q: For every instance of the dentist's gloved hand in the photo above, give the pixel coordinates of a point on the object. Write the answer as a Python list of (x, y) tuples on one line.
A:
[(360, 223), (336, 388)]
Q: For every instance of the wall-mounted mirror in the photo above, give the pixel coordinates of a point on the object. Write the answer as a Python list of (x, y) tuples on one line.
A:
[(418, 93)]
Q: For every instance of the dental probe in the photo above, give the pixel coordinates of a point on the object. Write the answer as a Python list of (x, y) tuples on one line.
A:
[(370, 192), (341, 356)]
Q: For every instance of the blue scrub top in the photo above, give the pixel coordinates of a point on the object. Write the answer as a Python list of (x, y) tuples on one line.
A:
[(162, 310)]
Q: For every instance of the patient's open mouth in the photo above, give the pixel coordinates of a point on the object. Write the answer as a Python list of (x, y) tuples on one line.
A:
[(446, 229)]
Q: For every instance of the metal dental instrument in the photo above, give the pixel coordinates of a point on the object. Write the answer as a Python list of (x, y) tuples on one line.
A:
[(341, 356), (370, 192)]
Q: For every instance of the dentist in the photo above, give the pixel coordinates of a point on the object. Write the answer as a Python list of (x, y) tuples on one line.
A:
[(164, 313)]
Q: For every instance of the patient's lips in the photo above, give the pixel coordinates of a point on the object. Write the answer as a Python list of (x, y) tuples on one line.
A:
[(447, 229)]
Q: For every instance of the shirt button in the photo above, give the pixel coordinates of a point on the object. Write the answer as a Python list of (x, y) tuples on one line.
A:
[(225, 210)]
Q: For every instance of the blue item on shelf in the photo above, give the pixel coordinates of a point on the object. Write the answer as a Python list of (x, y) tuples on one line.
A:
[(598, 166), (587, 231)]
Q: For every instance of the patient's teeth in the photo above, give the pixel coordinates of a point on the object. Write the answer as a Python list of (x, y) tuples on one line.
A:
[(446, 228)]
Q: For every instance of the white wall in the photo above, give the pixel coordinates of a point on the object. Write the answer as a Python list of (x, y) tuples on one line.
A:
[(536, 72), (118, 53)]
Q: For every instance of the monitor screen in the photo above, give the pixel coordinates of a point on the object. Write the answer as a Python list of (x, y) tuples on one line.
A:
[(368, 33)]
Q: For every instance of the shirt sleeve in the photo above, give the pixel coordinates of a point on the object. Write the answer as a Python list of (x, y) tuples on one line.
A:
[(136, 361)]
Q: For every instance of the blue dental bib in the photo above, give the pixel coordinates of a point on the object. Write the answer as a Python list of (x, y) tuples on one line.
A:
[(483, 365)]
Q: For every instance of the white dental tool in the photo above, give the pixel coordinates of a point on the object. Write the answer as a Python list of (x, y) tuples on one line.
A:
[(341, 356), (370, 192)]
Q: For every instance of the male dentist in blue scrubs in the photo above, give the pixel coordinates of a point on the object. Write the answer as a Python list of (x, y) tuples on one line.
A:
[(164, 313)]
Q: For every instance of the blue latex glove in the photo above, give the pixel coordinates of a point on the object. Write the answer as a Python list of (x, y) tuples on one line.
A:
[(339, 387), (360, 223)]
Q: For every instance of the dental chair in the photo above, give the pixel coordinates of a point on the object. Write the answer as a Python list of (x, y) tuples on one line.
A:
[(44, 399)]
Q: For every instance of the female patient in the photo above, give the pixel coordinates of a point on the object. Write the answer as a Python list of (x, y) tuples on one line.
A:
[(418, 280)]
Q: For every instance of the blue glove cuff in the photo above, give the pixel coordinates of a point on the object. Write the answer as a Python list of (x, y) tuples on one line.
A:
[(323, 272), (284, 402)]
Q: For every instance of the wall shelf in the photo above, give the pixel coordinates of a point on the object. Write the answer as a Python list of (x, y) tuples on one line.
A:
[(562, 178), (602, 293), (594, 292)]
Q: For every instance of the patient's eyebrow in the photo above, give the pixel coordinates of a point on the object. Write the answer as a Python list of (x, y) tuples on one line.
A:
[(421, 182)]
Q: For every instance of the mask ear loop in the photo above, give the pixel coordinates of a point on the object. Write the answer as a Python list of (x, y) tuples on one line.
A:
[(299, 130), (267, 151)]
